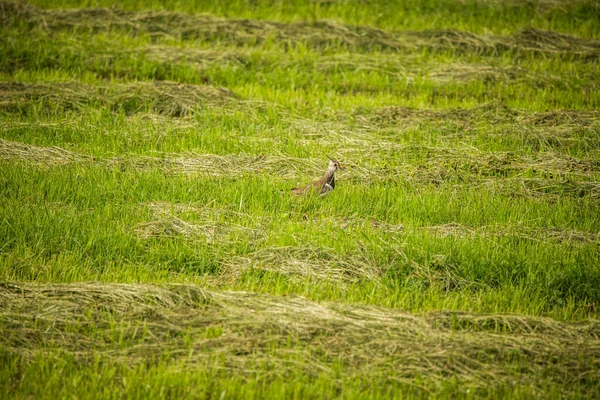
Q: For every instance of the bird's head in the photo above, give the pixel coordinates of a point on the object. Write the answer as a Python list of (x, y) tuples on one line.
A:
[(334, 165)]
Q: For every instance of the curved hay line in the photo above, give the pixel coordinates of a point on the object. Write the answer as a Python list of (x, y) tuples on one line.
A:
[(243, 331)]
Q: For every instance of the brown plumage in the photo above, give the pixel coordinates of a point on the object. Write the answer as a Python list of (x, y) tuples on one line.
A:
[(323, 185)]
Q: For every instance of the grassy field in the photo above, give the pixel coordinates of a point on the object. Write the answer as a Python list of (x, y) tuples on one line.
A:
[(149, 247)]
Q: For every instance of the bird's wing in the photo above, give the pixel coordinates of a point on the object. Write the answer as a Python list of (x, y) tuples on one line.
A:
[(303, 190), (319, 186)]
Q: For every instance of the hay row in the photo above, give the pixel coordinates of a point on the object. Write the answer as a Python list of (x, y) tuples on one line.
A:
[(317, 264), (160, 97), (371, 133), (374, 131), (384, 64), (169, 220), (243, 332), (365, 129), (463, 231), (174, 99), (209, 225), (492, 113), (496, 171), (523, 232), (307, 263), (225, 225), (541, 6), (318, 33), (196, 164), (10, 150)]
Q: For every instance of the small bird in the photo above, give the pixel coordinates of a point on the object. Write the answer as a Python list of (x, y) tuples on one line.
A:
[(323, 185)]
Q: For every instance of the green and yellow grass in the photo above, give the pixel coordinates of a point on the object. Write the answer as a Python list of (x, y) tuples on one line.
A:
[(147, 249)]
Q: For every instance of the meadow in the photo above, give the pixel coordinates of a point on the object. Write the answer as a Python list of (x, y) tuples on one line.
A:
[(149, 246)]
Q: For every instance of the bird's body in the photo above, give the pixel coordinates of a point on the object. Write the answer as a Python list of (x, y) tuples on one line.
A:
[(323, 185)]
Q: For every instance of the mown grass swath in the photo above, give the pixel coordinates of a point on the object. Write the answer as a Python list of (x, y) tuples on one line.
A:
[(149, 149)]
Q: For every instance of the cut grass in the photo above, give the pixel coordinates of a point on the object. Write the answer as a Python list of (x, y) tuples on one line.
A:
[(271, 337), (148, 146), (166, 98), (313, 34), (475, 15)]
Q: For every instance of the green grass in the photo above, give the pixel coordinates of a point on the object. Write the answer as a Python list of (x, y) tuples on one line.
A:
[(157, 148)]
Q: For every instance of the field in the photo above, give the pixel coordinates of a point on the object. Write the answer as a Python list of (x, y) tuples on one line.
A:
[(149, 247)]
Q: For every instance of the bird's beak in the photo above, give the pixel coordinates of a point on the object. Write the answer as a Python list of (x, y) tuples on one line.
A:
[(341, 166)]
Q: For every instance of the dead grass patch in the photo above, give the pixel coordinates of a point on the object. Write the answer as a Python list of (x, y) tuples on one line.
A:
[(238, 331)]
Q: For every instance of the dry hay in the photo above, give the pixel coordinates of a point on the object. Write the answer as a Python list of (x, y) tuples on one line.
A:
[(556, 234), (541, 6), (189, 163), (559, 129), (498, 172), (364, 145), (358, 223), (449, 162), (438, 273), (317, 33), (248, 333), (589, 119), (527, 40), (452, 230), (161, 97), (519, 231), (492, 113), (198, 58), (212, 225), (410, 68), (318, 264), (10, 150), (542, 187), (463, 73), (468, 72), (221, 165), (441, 165), (456, 230), (370, 131)]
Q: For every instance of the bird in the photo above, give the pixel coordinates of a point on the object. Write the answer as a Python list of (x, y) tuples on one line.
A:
[(323, 185)]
